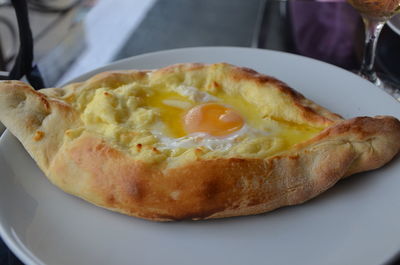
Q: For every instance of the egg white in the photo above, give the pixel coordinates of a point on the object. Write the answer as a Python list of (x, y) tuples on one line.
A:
[(221, 143), (211, 142), (195, 94)]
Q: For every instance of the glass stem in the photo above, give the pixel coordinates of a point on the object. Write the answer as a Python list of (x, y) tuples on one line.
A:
[(373, 27)]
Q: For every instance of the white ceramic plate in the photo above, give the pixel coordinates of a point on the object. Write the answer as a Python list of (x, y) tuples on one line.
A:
[(356, 222), (394, 24)]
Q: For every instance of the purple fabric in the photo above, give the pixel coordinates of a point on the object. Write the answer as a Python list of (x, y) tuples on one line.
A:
[(326, 30)]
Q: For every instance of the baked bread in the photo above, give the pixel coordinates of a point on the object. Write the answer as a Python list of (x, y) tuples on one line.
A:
[(191, 141)]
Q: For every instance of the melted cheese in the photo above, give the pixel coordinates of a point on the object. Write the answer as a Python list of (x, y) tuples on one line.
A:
[(133, 115)]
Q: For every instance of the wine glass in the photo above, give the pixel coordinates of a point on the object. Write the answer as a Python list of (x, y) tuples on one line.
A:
[(374, 13)]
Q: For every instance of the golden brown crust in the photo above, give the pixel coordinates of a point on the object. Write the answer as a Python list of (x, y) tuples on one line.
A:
[(310, 111), (90, 167), (224, 187), (32, 117)]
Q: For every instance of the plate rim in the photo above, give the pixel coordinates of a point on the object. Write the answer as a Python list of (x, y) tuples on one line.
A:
[(12, 242), (24, 254), (103, 68)]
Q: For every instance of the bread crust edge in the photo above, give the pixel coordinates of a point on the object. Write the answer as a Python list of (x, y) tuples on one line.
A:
[(92, 169), (224, 187)]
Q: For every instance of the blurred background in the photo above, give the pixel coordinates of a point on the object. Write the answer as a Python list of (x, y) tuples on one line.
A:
[(72, 37)]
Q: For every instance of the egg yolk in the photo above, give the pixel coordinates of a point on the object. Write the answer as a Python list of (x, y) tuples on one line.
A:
[(213, 119)]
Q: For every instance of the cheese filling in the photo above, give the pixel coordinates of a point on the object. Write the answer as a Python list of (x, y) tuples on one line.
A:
[(185, 122)]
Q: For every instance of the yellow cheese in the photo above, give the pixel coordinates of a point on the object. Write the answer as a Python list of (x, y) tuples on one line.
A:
[(152, 116)]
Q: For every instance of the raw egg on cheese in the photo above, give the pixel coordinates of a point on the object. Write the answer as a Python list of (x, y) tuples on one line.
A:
[(213, 119), (192, 117)]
